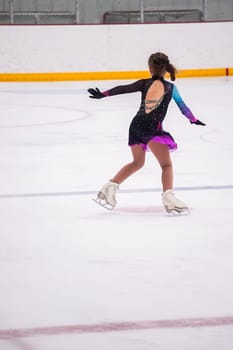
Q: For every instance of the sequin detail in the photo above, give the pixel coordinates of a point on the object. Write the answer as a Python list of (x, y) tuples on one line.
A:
[(145, 127)]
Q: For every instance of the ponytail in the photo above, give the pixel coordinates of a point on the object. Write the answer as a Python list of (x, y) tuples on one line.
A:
[(172, 71), (159, 64)]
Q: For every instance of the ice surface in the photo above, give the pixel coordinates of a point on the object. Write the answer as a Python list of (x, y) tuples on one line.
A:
[(65, 261)]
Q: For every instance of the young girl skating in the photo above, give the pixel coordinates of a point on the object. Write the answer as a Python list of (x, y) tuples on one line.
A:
[(146, 130)]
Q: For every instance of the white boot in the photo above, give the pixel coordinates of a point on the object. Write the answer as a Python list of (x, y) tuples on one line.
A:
[(173, 204), (107, 194)]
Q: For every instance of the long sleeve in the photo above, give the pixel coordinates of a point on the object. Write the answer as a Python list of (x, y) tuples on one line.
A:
[(182, 106), (125, 89)]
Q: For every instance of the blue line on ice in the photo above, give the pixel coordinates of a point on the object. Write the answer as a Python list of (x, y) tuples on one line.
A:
[(137, 190)]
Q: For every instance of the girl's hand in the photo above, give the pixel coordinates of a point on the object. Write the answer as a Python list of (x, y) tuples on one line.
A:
[(95, 93), (197, 122)]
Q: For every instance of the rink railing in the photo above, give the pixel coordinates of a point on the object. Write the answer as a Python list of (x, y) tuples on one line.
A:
[(140, 15), (77, 76)]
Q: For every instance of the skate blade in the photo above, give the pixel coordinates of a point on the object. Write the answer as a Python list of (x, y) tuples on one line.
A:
[(103, 203), (178, 211)]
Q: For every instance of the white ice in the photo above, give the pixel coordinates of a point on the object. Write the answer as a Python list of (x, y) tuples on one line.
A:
[(66, 261)]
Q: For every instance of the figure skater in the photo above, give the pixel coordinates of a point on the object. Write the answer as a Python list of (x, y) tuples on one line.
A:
[(146, 130)]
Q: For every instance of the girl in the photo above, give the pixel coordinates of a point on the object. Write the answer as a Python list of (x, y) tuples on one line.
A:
[(146, 130)]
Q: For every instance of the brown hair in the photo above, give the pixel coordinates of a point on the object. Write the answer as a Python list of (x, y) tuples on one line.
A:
[(159, 64)]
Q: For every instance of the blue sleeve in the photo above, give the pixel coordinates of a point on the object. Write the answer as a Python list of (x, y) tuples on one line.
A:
[(182, 106)]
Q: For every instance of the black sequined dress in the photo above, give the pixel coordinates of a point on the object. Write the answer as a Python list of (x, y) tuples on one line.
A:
[(147, 126)]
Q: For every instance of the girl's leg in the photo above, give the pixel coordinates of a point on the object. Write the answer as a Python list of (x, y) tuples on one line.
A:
[(161, 152), (130, 168), (170, 202), (108, 191)]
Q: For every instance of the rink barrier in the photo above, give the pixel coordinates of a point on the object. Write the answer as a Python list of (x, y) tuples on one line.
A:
[(77, 76)]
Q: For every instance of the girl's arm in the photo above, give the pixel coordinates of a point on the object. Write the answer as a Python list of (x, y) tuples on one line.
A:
[(121, 89), (184, 108), (125, 89)]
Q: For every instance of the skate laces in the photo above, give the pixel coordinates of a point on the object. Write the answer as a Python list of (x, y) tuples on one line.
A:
[(170, 198), (112, 189), (108, 193)]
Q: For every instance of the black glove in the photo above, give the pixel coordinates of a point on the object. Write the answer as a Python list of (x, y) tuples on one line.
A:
[(96, 93), (197, 122)]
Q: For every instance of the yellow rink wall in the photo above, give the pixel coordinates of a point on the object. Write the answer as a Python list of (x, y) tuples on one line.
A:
[(79, 76)]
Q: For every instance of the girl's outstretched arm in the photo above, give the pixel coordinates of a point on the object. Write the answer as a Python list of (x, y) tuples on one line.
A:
[(184, 108), (121, 89)]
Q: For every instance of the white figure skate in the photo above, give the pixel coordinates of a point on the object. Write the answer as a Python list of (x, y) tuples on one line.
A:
[(106, 197), (173, 205)]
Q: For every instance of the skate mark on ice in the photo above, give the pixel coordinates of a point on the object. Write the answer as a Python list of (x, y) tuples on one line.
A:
[(137, 190), (117, 327), (79, 115), (148, 210)]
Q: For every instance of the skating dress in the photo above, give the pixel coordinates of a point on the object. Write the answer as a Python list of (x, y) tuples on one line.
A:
[(147, 126)]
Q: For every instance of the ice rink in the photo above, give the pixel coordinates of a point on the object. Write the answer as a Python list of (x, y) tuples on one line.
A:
[(76, 276)]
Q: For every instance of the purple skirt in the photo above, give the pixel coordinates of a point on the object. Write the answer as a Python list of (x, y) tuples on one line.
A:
[(166, 139)]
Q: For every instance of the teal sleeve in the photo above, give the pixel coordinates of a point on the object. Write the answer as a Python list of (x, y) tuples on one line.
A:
[(182, 106)]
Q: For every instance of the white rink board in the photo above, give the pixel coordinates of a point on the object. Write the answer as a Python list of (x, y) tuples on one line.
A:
[(98, 48)]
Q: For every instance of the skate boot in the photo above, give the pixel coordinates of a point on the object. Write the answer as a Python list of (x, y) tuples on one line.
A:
[(172, 204), (107, 195)]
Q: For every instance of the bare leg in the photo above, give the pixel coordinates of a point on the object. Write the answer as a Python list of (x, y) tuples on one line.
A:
[(171, 203), (162, 154), (137, 163)]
